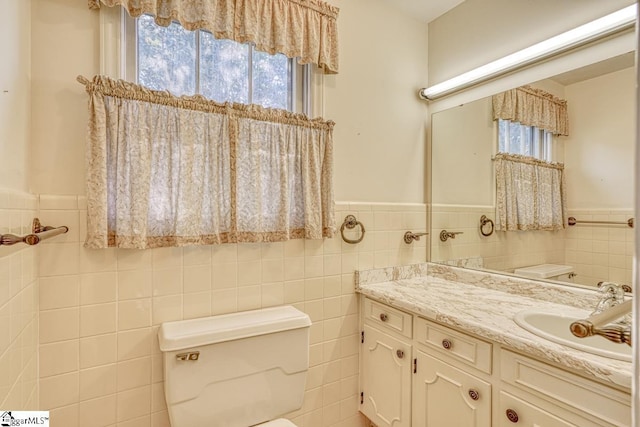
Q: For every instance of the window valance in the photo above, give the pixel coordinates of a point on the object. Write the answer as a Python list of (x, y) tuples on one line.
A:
[(173, 171), (532, 107), (303, 29)]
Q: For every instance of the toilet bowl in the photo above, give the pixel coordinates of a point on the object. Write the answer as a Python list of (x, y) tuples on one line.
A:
[(236, 370)]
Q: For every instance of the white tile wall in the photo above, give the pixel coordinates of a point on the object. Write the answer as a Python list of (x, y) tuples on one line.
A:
[(500, 251), (18, 306), (597, 252), (100, 311), (601, 252)]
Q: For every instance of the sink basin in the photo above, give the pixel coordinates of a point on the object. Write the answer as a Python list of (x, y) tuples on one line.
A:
[(555, 327)]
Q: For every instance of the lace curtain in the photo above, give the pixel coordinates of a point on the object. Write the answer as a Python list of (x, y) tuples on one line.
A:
[(530, 194), (303, 29), (532, 107), (173, 171)]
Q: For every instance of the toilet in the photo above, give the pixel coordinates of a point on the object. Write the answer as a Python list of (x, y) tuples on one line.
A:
[(236, 370), (562, 273)]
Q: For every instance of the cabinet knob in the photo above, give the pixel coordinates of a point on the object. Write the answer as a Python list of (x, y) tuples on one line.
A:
[(400, 354), (447, 344), (384, 317), (512, 415), (473, 394)]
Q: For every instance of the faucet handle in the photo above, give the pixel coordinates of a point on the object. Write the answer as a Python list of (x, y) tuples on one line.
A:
[(613, 289), (625, 288)]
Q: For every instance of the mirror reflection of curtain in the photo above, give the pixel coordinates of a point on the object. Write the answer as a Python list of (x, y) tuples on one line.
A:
[(530, 194)]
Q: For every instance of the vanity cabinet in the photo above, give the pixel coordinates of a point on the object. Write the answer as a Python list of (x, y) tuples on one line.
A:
[(561, 398), (417, 372), (444, 395), (386, 350), (447, 389)]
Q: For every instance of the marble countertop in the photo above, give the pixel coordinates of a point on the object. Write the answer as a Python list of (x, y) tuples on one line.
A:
[(484, 305)]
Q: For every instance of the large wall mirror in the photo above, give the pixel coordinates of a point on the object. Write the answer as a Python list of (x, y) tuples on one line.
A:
[(598, 157)]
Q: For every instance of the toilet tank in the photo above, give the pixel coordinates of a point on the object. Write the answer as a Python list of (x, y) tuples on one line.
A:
[(235, 370)]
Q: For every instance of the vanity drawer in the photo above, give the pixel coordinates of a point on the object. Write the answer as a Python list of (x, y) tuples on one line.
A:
[(387, 317), (611, 406), (514, 410), (457, 345)]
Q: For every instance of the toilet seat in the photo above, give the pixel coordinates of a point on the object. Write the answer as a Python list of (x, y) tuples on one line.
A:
[(280, 422)]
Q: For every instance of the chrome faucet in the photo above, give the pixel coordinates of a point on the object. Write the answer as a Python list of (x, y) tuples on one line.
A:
[(611, 308)]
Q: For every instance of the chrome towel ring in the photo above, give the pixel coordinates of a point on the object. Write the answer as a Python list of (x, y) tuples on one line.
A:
[(484, 221), (350, 223)]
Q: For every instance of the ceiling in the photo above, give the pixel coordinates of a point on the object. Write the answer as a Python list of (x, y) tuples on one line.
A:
[(425, 10)]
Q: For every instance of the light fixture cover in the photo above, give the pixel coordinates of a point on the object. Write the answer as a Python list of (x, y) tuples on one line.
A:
[(594, 30)]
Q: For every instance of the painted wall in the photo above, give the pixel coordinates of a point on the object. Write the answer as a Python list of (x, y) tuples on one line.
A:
[(380, 121), (464, 141), (380, 134), (65, 43), (100, 310), (15, 94), (480, 31), (600, 175), (599, 149), (18, 269)]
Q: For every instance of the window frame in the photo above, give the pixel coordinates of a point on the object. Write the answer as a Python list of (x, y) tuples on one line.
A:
[(117, 60), (541, 140)]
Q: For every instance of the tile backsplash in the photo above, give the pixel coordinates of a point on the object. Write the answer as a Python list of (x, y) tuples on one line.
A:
[(601, 252), (18, 306), (598, 252), (100, 310), (499, 251)]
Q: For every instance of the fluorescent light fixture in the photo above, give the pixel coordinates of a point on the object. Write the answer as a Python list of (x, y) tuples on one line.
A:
[(594, 30)]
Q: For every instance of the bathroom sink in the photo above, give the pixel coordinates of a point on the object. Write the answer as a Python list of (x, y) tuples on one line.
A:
[(554, 327)]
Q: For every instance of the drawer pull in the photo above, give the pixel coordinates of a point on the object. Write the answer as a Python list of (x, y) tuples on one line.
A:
[(447, 344), (384, 317), (512, 415), (400, 354), (474, 395)]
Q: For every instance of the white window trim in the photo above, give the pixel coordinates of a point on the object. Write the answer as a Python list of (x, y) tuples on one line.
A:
[(542, 142), (113, 60)]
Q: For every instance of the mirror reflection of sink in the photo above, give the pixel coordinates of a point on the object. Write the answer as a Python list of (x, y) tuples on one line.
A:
[(555, 327)]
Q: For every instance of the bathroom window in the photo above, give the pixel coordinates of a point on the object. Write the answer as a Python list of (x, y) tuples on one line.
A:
[(194, 62), (516, 138)]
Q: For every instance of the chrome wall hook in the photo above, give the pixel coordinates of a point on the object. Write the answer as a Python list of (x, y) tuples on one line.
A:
[(409, 237), (445, 235)]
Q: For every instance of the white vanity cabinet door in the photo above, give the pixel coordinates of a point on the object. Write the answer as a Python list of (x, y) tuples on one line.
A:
[(447, 396), (385, 379)]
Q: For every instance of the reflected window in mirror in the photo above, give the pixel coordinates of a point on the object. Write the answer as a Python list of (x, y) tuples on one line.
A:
[(532, 141)]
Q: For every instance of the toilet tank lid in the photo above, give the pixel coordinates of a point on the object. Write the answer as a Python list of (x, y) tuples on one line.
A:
[(544, 271), (191, 333), (280, 422)]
